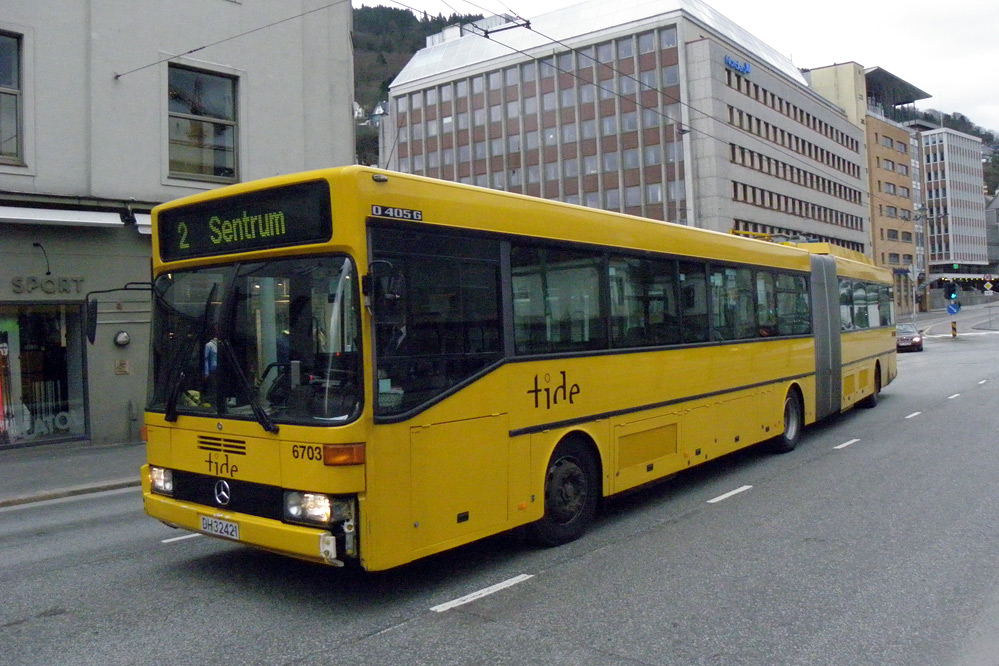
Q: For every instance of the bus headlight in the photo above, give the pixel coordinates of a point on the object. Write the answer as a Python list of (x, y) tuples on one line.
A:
[(161, 480), (316, 508)]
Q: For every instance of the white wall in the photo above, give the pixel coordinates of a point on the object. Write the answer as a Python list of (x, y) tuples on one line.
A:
[(92, 135)]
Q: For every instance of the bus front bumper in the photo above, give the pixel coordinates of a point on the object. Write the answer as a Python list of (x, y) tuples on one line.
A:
[(304, 543)]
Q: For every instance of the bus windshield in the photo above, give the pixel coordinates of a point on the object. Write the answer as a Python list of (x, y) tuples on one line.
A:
[(272, 341)]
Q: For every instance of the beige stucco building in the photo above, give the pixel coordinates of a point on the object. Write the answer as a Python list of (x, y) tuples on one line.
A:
[(872, 98)]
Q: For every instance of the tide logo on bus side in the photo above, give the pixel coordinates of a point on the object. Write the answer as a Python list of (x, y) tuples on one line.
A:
[(549, 396)]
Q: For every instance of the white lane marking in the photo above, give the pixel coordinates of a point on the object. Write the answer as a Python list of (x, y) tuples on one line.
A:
[(180, 538), (846, 444), (984, 381), (951, 397), (913, 415), (486, 591), (729, 494)]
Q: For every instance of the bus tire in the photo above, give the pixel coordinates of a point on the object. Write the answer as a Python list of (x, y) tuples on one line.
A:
[(871, 401), (572, 491), (794, 423)]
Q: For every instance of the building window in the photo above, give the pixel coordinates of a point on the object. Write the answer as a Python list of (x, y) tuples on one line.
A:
[(646, 42), (11, 150), (203, 130), (667, 37)]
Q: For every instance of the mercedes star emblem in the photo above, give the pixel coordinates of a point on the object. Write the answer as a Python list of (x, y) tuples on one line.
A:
[(222, 492)]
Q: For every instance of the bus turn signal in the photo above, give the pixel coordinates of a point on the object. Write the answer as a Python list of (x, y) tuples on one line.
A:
[(343, 454)]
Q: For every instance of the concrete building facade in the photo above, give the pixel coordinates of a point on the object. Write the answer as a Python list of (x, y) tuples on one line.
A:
[(664, 109), (877, 101), (955, 204), (105, 111)]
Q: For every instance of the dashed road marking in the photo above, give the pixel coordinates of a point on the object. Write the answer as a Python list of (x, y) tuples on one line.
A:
[(179, 538), (729, 494), (486, 591)]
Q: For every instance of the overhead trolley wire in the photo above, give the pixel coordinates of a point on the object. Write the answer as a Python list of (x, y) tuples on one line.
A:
[(791, 155), (228, 39)]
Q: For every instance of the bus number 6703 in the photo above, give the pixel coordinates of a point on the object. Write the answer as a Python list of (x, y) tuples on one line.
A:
[(299, 452)]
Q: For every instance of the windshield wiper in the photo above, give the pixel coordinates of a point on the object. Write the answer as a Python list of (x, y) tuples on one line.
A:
[(259, 412), (171, 403)]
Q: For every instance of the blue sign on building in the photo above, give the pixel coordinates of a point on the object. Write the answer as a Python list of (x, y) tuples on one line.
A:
[(741, 67)]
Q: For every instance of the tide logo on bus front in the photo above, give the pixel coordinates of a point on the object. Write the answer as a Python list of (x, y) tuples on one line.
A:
[(220, 465), (548, 396)]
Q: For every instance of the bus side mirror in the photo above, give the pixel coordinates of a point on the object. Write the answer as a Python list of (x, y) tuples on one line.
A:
[(91, 320)]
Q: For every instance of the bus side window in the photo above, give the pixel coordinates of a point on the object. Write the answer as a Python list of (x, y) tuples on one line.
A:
[(557, 301), (643, 302), (692, 280), (845, 305), (794, 314), (766, 304)]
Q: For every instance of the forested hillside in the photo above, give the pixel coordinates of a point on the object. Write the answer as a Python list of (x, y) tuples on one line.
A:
[(385, 38)]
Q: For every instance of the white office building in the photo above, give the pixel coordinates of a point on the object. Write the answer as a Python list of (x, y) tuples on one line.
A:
[(955, 203), (659, 108)]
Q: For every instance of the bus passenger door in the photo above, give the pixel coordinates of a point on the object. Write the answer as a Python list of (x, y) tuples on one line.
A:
[(459, 478)]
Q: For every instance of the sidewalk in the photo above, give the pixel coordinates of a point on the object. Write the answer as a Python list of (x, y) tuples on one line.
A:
[(60, 470)]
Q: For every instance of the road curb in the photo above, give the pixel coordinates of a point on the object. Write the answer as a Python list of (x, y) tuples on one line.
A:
[(70, 492)]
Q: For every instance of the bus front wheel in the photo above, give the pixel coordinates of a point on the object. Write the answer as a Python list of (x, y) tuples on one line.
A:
[(572, 490), (794, 423)]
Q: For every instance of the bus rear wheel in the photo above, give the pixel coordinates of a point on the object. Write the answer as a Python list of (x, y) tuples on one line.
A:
[(871, 401), (794, 423), (572, 490)]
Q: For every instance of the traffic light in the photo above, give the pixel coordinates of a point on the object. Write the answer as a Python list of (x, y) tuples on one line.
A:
[(951, 291)]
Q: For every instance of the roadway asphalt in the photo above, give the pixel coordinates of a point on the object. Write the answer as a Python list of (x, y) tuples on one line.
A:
[(51, 471)]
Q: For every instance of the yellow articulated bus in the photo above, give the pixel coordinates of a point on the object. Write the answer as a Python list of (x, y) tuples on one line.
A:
[(359, 366)]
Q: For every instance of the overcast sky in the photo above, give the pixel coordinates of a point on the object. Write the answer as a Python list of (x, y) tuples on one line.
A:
[(947, 48)]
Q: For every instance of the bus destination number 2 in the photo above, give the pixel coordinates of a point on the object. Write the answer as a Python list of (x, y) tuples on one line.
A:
[(396, 213)]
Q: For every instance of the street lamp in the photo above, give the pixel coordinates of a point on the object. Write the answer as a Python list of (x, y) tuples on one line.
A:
[(923, 221)]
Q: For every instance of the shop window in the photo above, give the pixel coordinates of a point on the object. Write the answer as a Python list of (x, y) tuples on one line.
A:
[(203, 129), (41, 373)]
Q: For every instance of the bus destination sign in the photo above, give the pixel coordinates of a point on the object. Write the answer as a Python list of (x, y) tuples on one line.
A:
[(278, 217)]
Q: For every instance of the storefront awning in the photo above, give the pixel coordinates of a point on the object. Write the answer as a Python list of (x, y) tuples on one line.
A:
[(59, 216)]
